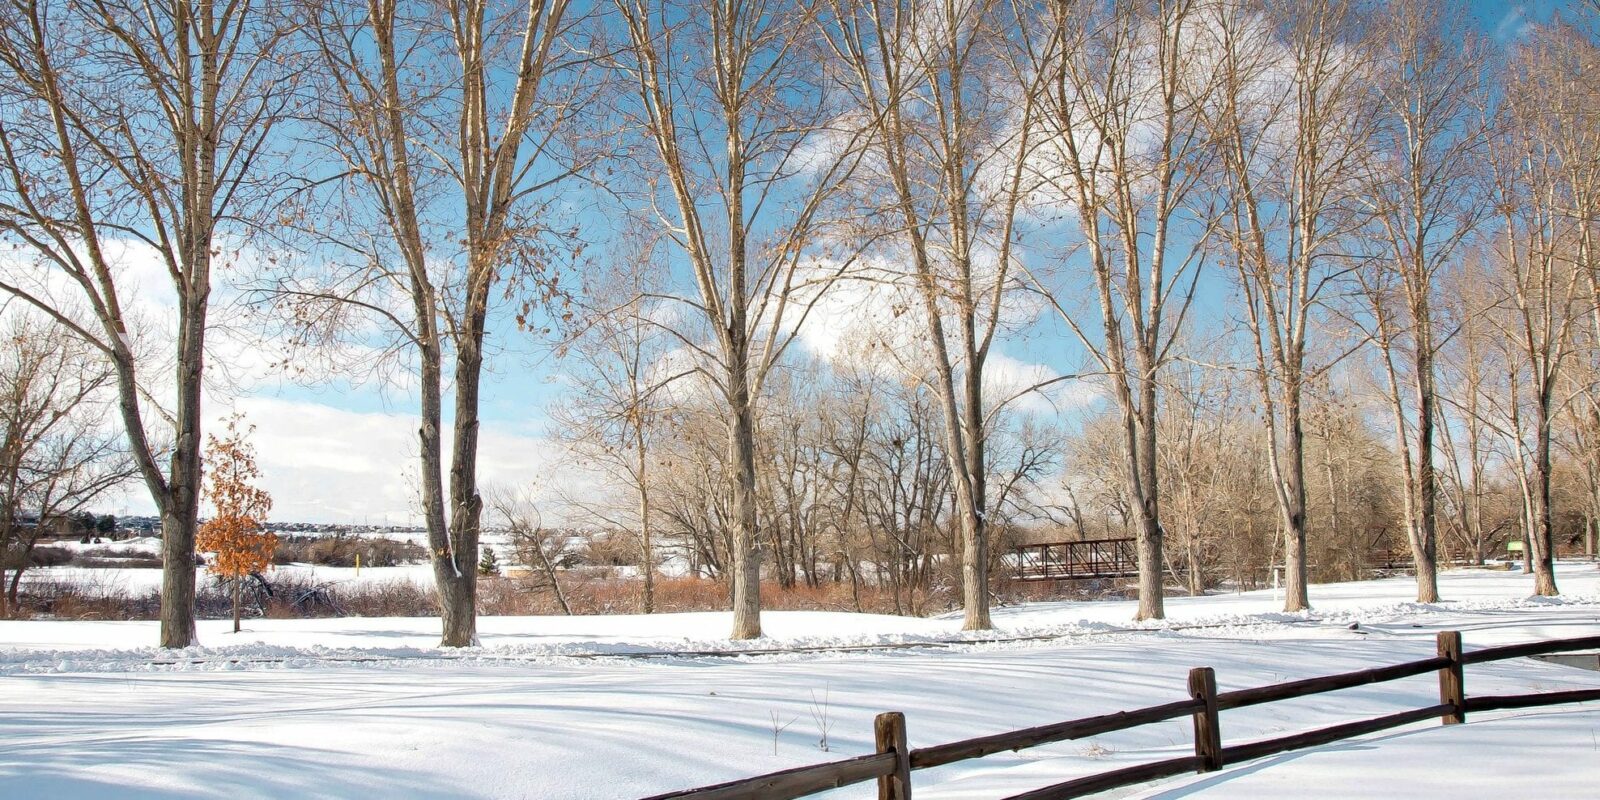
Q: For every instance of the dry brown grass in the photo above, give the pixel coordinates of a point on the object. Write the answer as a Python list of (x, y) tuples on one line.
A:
[(588, 591)]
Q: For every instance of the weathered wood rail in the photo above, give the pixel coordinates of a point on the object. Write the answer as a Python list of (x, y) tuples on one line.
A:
[(891, 766)]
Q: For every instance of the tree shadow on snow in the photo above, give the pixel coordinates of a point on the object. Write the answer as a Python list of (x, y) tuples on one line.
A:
[(186, 768)]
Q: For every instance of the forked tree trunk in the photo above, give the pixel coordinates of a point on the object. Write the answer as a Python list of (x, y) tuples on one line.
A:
[(974, 574), (458, 591), (446, 563), (1418, 479), (177, 577)]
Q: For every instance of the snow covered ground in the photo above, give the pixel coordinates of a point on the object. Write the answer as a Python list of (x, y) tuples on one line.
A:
[(625, 706)]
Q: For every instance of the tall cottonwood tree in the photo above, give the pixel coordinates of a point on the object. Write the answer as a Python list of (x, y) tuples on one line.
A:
[(1425, 192), (453, 121), (138, 131), (950, 131), (1571, 95), (735, 167), (1540, 272), (1126, 151), (1294, 123)]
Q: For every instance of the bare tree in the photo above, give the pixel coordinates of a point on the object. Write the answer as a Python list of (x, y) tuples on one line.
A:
[(1294, 125), (1469, 366), (56, 455), (1201, 447), (455, 124), (535, 546), (1126, 148), (135, 128), (1541, 264), (1426, 197), (612, 415), (952, 120), (1572, 100), (726, 94)]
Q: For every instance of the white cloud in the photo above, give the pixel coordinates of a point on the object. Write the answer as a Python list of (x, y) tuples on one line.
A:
[(1034, 388), (326, 464)]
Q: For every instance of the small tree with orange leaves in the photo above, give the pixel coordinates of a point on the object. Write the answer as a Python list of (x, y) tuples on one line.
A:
[(236, 536)]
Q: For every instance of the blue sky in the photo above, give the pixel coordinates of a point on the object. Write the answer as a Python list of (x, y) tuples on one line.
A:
[(345, 451)]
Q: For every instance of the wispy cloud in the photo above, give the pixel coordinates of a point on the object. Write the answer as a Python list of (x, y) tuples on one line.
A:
[(1513, 24)]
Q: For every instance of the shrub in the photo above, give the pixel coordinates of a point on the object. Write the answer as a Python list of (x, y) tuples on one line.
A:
[(49, 557), (340, 551)]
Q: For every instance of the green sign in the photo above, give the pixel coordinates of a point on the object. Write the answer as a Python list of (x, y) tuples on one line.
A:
[(1513, 547)]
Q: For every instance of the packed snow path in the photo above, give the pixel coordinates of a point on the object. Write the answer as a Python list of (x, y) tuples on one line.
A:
[(85, 711)]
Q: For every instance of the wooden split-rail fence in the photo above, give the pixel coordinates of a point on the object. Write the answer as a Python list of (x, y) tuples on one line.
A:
[(891, 766)]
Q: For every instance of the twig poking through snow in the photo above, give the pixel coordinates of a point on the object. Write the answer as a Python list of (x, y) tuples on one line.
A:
[(777, 729), (821, 713)]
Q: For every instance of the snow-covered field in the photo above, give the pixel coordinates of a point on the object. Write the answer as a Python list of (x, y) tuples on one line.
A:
[(133, 581), (627, 706), (114, 580), (122, 580)]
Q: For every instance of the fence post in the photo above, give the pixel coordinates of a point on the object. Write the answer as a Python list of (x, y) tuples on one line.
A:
[(1452, 681), (889, 729), (1207, 732)]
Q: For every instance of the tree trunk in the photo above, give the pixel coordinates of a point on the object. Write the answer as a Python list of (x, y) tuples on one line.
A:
[(1145, 497), (177, 578), (649, 551), (458, 592), (1543, 535), (1196, 585), (237, 583), (974, 525), (180, 516), (550, 575), (9, 596), (746, 546), (1424, 533), (1527, 543), (1296, 575), (445, 564)]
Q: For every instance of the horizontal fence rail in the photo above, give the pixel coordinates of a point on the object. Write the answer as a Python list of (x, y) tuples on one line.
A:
[(1504, 652), (1239, 698), (892, 764), (939, 755), (797, 782)]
